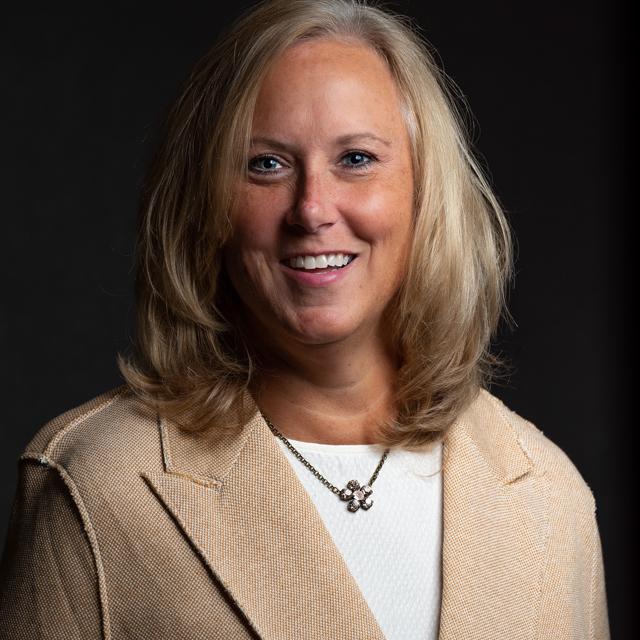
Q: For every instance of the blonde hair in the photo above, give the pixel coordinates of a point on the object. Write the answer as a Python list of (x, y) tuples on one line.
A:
[(192, 363)]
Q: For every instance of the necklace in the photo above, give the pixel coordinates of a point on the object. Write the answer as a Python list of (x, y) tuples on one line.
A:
[(357, 496)]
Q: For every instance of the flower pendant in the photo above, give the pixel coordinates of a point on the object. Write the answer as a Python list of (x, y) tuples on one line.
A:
[(357, 496)]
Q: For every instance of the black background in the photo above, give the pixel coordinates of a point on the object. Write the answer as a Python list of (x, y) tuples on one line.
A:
[(86, 90)]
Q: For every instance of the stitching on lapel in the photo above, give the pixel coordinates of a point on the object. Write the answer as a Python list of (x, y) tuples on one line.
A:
[(168, 463)]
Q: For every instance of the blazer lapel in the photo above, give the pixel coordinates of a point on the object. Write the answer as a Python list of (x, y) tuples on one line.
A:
[(494, 529), (237, 499)]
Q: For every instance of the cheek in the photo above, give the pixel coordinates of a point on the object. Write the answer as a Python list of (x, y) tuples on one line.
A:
[(250, 275), (383, 216), (256, 221), (253, 226), (257, 217)]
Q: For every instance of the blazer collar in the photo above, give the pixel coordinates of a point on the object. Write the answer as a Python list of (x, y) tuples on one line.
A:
[(237, 498), (486, 426), (243, 507)]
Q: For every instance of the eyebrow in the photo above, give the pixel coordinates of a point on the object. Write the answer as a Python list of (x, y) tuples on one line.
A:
[(349, 138), (365, 135)]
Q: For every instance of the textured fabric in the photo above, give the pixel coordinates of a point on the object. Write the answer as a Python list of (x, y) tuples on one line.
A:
[(393, 550), (125, 527)]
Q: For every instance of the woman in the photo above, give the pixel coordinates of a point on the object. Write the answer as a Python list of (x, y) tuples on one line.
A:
[(304, 447)]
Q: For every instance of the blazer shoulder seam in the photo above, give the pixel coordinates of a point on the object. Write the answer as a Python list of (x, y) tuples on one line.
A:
[(75, 495), (50, 447)]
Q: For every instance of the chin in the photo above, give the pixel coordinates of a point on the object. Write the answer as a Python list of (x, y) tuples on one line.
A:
[(324, 328)]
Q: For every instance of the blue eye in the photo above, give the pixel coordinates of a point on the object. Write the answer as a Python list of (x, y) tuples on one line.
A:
[(357, 159), (264, 164)]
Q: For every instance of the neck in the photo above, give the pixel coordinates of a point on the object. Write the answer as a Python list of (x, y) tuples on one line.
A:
[(332, 394)]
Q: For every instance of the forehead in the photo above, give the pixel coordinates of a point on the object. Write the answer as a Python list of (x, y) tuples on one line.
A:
[(328, 82)]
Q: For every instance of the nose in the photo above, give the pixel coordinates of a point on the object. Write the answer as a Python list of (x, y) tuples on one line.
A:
[(312, 209)]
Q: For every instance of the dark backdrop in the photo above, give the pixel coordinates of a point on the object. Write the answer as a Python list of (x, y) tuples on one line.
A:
[(85, 91)]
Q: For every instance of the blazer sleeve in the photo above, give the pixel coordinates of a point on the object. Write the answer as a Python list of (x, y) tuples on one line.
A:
[(48, 573)]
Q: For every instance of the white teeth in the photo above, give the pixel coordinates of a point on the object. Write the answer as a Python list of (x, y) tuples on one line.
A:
[(320, 262)]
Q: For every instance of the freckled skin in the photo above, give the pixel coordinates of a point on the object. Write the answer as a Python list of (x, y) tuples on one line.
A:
[(314, 95)]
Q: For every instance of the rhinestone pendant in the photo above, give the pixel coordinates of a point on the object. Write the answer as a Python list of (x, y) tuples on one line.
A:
[(357, 496)]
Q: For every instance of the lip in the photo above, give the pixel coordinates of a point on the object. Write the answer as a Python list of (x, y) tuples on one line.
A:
[(322, 279), (290, 255)]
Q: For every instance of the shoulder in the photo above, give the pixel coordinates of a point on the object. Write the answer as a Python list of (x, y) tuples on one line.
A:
[(511, 432), (112, 428)]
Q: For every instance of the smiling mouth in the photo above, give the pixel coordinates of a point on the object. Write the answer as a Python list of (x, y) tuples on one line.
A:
[(320, 263)]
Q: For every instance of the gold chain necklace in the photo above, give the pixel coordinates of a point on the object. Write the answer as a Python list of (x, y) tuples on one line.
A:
[(356, 495)]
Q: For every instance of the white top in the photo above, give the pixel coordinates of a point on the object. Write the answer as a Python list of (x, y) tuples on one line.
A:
[(394, 549)]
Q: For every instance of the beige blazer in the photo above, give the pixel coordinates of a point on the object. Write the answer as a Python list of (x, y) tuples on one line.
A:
[(124, 527)]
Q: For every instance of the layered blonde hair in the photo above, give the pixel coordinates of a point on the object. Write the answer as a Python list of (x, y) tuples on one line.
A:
[(192, 362)]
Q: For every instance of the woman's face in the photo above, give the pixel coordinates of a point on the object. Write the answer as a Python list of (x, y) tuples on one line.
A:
[(329, 182)]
